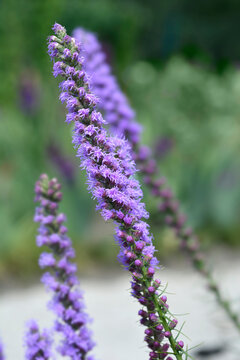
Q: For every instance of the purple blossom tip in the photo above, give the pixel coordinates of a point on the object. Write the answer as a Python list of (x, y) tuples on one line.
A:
[(167, 334), (180, 344), (58, 29)]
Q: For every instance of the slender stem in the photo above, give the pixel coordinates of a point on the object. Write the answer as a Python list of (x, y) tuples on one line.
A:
[(190, 244), (162, 319), (224, 303), (200, 265)]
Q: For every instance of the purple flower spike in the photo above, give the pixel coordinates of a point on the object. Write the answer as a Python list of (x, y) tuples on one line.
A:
[(67, 301), (38, 344), (110, 172)]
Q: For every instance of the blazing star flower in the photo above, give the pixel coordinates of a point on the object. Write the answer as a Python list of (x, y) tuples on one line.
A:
[(110, 172), (38, 344), (121, 119), (67, 300)]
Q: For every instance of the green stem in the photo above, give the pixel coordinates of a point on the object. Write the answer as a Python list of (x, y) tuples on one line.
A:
[(223, 303), (162, 318), (201, 266)]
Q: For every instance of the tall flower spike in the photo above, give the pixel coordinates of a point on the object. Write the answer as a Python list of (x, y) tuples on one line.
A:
[(38, 344), (67, 300), (121, 118), (110, 171)]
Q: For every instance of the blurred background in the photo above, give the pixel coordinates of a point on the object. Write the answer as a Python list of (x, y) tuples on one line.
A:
[(178, 62)]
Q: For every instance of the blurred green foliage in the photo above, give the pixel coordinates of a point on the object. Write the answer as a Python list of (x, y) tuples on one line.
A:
[(195, 107), (199, 112)]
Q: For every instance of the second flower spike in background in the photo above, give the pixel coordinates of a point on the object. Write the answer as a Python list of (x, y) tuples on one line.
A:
[(121, 120)]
